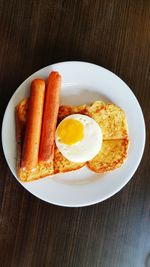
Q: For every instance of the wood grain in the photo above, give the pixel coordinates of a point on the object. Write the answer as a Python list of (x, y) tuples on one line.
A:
[(114, 34)]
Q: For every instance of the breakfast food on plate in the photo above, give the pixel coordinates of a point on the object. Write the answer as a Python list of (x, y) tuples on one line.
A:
[(61, 164), (110, 118), (32, 163), (50, 115), (75, 134), (111, 156), (114, 150), (65, 111), (31, 144), (56, 139)]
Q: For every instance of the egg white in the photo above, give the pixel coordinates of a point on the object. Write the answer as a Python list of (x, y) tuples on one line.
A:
[(88, 147)]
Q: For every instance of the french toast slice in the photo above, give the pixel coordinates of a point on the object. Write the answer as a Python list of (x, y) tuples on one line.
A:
[(111, 156), (110, 118)]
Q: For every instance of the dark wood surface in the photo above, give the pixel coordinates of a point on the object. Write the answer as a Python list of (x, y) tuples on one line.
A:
[(114, 34)]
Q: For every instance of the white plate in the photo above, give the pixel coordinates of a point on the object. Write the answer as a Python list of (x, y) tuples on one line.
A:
[(82, 83)]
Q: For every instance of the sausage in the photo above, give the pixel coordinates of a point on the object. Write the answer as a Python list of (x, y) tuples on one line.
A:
[(50, 115), (33, 126)]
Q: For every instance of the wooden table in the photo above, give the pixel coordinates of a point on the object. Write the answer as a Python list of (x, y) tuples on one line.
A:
[(116, 35)]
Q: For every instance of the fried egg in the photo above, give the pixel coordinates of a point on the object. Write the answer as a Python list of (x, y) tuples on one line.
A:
[(78, 138)]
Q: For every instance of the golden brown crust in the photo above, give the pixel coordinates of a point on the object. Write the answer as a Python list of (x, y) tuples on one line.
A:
[(65, 111), (111, 156), (110, 118), (22, 109), (42, 170), (20, 130)]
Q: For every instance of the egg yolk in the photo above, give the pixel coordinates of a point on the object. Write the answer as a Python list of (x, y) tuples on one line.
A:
[(70, 131)]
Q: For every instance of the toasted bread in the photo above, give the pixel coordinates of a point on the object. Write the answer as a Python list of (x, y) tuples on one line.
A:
[(112, 154), (61, 164), (41, 169), (65, 111), (22, 109), (110, 118)]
